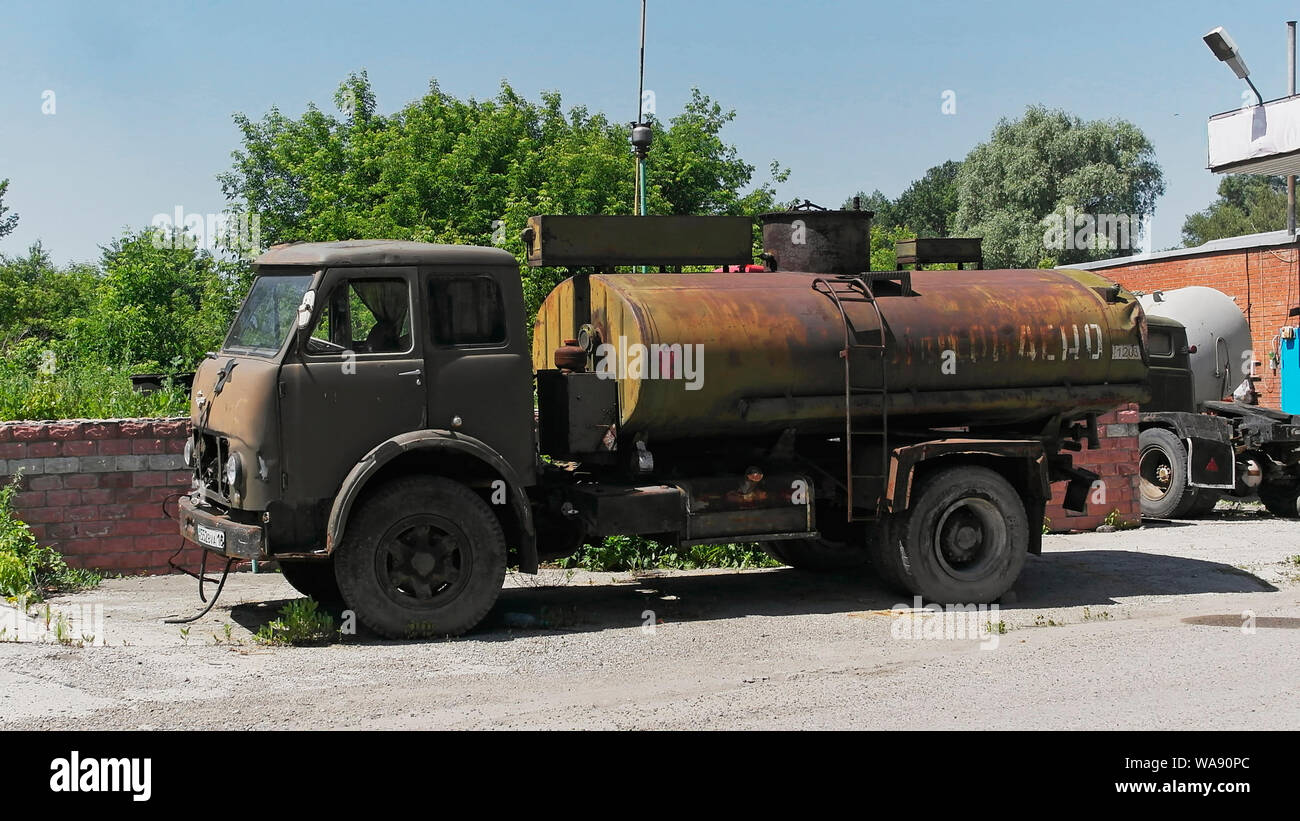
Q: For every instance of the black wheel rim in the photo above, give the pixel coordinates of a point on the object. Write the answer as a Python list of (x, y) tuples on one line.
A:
[(970, 539), (423, 561), (1156, 474)]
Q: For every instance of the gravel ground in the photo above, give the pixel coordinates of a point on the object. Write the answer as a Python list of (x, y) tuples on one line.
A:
[(1140, 629)]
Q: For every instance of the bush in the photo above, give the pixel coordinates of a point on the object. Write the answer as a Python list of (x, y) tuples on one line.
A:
[(82, 392), (28, 570)]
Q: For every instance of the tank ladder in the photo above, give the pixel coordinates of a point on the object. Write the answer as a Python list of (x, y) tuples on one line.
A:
[(855, 288)]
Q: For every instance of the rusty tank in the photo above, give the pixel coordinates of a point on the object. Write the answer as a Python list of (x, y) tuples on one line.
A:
[(731, 354)]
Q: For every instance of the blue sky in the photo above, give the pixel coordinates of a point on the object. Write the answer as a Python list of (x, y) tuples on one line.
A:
[(847, 95)]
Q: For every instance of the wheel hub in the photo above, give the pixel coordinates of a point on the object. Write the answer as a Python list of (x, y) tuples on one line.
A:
[(970, 536), (422, 560)]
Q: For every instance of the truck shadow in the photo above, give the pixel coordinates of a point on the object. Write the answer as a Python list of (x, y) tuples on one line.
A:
[(1053, 580)]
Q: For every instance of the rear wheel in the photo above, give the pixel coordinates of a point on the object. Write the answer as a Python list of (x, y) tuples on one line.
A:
[(1280, 493), (1162, 471), (424, 556), (963, 541), (314, 578)]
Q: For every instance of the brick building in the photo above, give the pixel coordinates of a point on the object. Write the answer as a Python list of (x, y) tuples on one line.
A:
[(1260, 271)]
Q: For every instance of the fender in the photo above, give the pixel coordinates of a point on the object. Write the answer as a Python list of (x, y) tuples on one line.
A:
[(438, 440)]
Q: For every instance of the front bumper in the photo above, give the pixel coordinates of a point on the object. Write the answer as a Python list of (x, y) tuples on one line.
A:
[(216, 532)]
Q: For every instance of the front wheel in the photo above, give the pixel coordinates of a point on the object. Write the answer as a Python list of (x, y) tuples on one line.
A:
[(1162, 470), (963, 541), (423, 556)]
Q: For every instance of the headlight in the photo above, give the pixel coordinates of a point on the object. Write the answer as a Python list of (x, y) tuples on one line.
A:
[(188, 456), (234, 470)]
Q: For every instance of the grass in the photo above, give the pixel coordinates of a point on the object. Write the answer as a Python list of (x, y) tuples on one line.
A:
[(619, 553), (301, 622), (83, 392), (28, 570)]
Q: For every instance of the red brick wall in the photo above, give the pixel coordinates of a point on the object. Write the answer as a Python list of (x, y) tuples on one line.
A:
[(1117, 463), (94, 490), (1264, 281)]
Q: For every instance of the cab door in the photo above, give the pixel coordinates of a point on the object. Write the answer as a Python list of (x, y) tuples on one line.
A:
[(480, 373), (356, 381)]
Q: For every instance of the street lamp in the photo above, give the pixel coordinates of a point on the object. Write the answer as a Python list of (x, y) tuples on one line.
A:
[(1226, 50)]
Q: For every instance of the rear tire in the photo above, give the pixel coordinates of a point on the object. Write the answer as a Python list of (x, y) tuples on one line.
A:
[(964, 539), (423, 556), (314, 578), (1162, 471), (1280, 493)]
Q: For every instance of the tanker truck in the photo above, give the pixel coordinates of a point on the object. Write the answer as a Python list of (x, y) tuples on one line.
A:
[(378, 422), (1202, 434)]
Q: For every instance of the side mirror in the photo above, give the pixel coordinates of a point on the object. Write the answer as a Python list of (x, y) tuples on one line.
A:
[(304, 316)]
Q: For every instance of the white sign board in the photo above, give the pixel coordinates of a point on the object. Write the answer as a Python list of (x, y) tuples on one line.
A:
[(1257, 140)]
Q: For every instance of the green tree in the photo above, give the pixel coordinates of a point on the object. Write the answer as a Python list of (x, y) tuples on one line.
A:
[(7, 223), (929, 205), (159, 304), (880, 206), (1247, 204), (1048, 165), (39, 300), (468, 171)]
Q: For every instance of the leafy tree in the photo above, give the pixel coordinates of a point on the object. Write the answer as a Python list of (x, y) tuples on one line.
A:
[(468, 171), (1247, 204), (38, 299), (7, 223), (158, 305), (1050, 163), (929, 205), (880, 206)]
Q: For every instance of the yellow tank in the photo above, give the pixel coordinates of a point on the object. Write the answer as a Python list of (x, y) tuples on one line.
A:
[(729, 353)]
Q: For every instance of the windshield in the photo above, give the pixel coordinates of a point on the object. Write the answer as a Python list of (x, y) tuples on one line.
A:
[(269, 314)]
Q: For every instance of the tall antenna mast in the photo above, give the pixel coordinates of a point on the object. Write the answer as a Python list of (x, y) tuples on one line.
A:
[(641, 136)]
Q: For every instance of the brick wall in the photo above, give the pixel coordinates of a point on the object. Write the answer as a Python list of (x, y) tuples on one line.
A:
[(1117, 463), (1265, 282), (94, 490)]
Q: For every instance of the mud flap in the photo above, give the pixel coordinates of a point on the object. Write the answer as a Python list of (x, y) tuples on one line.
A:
[(1211, 463)]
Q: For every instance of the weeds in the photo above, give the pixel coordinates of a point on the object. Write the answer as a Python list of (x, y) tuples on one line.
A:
[(301, 622), (617, 553), (28, 570)]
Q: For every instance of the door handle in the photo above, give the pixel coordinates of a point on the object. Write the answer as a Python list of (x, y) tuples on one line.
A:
[(416, 373)]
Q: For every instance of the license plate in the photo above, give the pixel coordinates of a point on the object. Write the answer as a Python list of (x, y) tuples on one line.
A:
[(211, 537)]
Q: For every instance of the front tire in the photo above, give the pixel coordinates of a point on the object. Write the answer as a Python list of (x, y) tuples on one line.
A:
[(423, 556), (1162, 469), (963, 541)]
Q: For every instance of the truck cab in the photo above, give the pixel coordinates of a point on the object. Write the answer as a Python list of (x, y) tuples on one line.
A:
[(350, 366)]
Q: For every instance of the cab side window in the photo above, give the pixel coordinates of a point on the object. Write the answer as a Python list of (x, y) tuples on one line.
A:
[(364, 316), (467, 310)]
